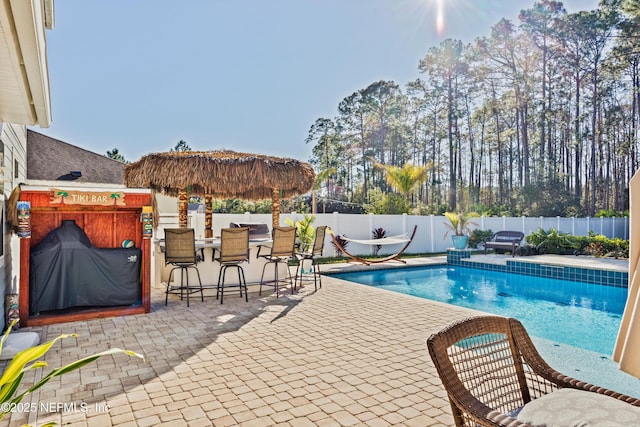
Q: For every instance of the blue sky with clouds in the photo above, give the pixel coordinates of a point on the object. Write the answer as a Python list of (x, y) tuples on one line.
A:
[(247, 75)]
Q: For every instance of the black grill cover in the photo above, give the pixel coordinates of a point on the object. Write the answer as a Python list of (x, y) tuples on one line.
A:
[(257, 230), (66, 271)]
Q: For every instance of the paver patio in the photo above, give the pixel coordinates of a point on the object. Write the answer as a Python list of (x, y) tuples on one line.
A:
[(345, 355)]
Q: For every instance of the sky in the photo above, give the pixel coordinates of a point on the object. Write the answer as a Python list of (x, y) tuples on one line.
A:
[(245, 75)]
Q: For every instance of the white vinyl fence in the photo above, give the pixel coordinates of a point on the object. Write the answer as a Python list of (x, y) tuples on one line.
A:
[(430, 233)]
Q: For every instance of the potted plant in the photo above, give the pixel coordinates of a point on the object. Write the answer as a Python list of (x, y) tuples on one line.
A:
[(460, 226), (305, 236), (305, 232)]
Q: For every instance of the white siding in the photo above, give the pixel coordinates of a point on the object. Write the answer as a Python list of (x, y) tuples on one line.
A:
[(14, 139)]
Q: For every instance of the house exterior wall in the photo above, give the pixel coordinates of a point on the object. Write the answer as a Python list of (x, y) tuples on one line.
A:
[(13, 163), (24, 87), (24, 100)]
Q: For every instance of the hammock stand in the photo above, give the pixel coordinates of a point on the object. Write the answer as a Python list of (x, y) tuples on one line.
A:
[(394, 240)]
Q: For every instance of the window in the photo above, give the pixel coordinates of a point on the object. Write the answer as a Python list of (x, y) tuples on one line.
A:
[(15, 169)]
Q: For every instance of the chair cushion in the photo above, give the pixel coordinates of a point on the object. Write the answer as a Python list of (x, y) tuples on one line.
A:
[(577, 408)]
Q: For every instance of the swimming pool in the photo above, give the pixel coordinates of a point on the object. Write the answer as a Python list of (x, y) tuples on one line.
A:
[(579, 314)]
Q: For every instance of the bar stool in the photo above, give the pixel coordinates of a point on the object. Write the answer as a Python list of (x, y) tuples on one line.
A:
[(234, 250), (280, 251), (180, 251), (312, 255)]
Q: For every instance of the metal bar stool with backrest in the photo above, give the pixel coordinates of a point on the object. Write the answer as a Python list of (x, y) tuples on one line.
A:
[(280, 251), (234, 250), (180, 251), (312, 255)]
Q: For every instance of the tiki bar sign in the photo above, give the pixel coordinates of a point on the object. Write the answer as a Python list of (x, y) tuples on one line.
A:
[(91, 198)]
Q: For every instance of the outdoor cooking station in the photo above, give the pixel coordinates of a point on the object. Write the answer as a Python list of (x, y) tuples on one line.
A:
[(107, 217)]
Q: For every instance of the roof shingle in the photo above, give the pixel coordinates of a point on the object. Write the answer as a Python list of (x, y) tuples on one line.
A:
[(53, 160)]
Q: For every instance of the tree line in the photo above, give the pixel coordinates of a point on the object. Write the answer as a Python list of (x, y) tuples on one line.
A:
[(541, 117)]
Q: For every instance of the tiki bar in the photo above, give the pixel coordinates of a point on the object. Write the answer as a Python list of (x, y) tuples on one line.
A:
[(91, 251), (83, 252)]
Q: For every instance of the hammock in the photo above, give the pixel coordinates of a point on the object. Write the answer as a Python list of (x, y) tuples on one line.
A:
[(392, 240)]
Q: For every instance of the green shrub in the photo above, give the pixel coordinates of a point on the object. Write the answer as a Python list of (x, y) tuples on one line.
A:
[(557, 242), (610, 214), (478, 236), (554, 242), (602, 246), (386, 203)]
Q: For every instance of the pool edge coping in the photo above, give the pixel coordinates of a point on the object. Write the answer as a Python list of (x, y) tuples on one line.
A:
[(530, 267)]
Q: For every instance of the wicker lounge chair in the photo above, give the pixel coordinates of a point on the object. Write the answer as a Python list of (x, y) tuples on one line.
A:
[(491, 369)]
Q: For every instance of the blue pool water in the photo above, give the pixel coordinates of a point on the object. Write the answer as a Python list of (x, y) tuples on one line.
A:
[(579, 314)]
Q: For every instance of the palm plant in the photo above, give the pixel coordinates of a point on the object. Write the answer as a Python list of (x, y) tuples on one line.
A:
[(460, 223), (405, 179)]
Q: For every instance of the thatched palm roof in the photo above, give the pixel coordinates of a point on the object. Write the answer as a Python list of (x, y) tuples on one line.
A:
[(222, 173)]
